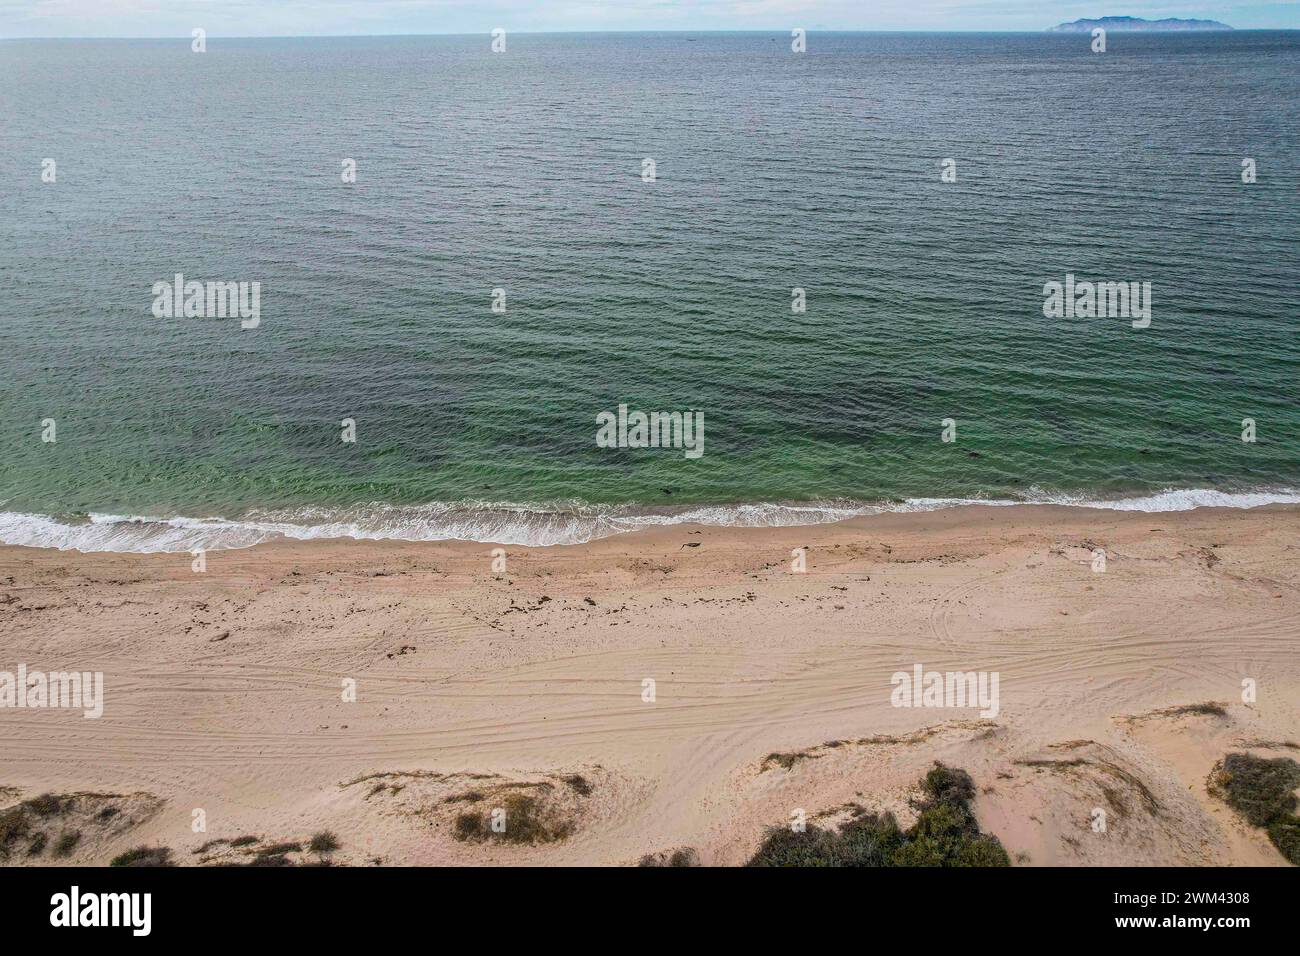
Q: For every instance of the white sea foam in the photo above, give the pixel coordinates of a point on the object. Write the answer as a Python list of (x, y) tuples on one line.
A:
[(567, 522)]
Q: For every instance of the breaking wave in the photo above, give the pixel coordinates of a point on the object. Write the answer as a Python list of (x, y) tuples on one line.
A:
[(566, 522)]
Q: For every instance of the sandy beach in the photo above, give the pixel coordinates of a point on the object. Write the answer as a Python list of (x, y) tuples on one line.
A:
[(224, 690)]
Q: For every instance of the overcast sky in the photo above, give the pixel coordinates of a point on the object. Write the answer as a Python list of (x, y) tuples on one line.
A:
[(159, 18)]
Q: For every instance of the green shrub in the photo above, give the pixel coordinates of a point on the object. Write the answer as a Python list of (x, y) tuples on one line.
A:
[(919, 852), (144, 856), (1260, 790), (947, 785), (324, 842), (47, 804), (67, 842), (945, 834), (13, 826), (1285, 834), (1263, 792), (982, 850), (943, 822)]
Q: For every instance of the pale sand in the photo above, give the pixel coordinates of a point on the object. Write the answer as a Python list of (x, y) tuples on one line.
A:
[(521, 677)]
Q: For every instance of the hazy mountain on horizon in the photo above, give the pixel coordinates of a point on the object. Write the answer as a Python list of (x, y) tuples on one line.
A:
[(1136, 24)]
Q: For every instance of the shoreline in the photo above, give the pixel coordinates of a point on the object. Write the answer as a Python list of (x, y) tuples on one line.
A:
[(539, 525), (222, 688), (1017, 514)]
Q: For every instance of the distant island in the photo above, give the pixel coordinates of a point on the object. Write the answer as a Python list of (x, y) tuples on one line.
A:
[(1136, 24)]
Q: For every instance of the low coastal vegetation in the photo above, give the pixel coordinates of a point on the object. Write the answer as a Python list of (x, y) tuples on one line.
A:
[(323, 842), (214, 845), (945, 834), (1122, 789), (1208, 708), (1263, 792), (488, 808), (246, 851), (522, 818), (279, 849), (241, 851), (788, 759), (25, 821), (144, 856), (682, 856), (67, 842), (58, 822)]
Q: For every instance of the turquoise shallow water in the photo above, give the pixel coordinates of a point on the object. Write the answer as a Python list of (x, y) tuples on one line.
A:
[(522, 171)]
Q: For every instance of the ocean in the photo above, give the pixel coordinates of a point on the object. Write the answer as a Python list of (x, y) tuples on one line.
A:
[(507, 266)]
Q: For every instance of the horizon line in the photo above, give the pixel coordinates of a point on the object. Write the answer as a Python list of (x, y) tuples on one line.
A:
[(784, 31)]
